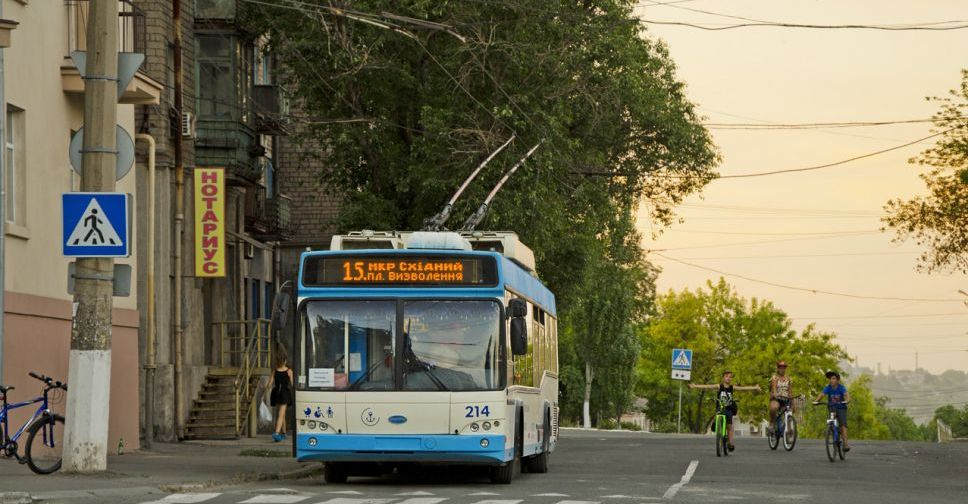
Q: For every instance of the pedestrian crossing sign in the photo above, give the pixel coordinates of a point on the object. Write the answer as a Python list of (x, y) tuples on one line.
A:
[(681, 358), (95, 224)]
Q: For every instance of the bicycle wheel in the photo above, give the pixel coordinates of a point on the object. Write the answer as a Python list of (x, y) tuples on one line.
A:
[(45, 444), (831, 444), (773, 437), (725, 443), (790, 433), (717, 436), (840, 447)]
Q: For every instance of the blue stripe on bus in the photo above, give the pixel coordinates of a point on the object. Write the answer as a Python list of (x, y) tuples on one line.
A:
[(387, 448)]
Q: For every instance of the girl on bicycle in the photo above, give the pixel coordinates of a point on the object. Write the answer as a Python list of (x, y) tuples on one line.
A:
[(781, 392), (837, 399), (724, 400)]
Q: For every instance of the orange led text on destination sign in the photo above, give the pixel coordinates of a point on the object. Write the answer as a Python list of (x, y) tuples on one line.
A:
[(403, 270)]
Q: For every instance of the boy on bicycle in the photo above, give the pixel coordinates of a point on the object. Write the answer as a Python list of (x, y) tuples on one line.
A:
[(781, 392), (725, 403), (837, 399)]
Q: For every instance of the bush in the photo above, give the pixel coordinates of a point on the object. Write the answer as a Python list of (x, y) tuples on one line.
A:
[(607, 424), (630, 426)]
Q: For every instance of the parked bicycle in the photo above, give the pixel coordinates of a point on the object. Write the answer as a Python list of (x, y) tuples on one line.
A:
[(44, 429), (784, 428), (721, 429), (833, 440)]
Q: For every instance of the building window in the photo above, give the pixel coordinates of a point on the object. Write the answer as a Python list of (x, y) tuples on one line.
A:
[(217, 93), (15, 167)]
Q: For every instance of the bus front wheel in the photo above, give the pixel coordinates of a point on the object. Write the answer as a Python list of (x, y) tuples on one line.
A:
[(334, 473)]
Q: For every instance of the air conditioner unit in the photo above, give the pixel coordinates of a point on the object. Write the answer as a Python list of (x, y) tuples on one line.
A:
[(188, 125)]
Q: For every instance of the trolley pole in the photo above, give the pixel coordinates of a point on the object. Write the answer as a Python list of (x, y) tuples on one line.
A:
[(679, 420), (89, 374)]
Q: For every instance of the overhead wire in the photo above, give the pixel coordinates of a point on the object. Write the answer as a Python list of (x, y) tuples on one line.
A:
[(807, 289)]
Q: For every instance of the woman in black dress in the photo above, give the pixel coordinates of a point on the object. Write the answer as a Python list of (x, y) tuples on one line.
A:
[(280, 396)]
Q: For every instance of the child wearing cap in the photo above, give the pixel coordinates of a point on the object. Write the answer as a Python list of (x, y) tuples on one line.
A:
[(837, 399)]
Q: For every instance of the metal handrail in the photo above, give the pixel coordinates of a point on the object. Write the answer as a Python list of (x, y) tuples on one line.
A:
[(255, 352)]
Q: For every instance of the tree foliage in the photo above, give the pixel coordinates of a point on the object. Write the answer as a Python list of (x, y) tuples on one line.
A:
[(726, 332), (405, 114), (939, 220)]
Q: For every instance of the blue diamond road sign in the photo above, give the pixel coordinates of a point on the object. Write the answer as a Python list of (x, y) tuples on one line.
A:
[(95, 224), (681, 358)]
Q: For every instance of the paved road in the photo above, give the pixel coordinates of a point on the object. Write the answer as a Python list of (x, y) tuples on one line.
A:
[(633, 468)]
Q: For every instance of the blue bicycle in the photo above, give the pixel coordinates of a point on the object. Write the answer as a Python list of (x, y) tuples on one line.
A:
[(833, 440), (785, 428), (44, 429)]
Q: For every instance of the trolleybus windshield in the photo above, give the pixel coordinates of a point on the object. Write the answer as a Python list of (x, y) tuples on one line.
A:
[(452, 345)]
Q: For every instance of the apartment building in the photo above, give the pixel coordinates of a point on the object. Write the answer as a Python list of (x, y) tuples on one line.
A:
[(42, 106)]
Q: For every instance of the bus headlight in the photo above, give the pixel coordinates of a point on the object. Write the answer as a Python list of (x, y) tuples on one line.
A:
[(485, 443), (312, 441), (474, 427), (497, 423), (323, 426), (311, 424), (486, 425)]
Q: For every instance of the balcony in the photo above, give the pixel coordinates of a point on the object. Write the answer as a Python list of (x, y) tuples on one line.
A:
[(132, 38), (271, 110), (269, 219), (216, 10), (229, 143)]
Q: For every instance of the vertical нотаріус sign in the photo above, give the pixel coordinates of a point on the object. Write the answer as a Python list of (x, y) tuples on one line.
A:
[(210, 222)]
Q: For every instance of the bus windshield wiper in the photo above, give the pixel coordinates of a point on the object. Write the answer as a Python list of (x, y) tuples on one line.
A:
[(366, 374), (412, 357)]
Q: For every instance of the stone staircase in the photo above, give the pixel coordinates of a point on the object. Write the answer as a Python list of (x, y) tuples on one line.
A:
[(213, 415)]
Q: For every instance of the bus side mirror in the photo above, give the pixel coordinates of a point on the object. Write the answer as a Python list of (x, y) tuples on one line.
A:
[(280, 311), (519, 336), (517, 308)]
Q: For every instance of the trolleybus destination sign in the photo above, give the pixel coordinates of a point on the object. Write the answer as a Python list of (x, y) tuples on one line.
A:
[(431, 270)]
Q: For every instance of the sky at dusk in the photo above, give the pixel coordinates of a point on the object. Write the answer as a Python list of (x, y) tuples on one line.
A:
[(817, 230)]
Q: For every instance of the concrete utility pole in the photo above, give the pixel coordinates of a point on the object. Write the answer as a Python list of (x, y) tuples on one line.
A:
[(89, 375)]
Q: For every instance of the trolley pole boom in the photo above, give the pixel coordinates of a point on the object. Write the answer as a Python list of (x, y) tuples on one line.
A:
[(436, 222), (478, 216)]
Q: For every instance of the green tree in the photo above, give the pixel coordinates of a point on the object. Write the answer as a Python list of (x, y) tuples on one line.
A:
[(726, 331), (939, 220)]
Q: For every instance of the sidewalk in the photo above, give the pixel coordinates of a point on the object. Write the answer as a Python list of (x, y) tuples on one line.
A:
[(167, 467)]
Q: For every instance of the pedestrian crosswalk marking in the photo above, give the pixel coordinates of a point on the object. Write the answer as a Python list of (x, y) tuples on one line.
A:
[(344, 500), (423, 500), (492, 501), (185, 498), (94, 229), (481, 493), (275, 499), (419, 492), (346, 492), (551, 495)]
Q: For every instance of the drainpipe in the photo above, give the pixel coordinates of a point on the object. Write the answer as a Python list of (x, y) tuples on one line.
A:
[(3, 206), (179, 223), (149, 365)]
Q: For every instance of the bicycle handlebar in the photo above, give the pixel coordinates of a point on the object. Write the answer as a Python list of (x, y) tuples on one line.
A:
[(818, 403), (48, 380)]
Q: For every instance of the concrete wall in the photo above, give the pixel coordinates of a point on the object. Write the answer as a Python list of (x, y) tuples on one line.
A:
[(38, 308)]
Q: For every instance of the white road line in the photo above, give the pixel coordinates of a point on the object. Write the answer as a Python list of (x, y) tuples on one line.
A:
[(481, 493), (275, 499), (494, 501), (414, 494), (344, 500), (185, 498), (576, 502), (551, 495), (345, 492), (674, 489), (423, 500)]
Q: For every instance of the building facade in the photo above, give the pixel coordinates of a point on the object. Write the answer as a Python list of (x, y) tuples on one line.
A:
[(43, 106)]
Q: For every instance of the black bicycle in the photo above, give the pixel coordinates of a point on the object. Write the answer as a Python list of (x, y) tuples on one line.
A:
[(44, 429)]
